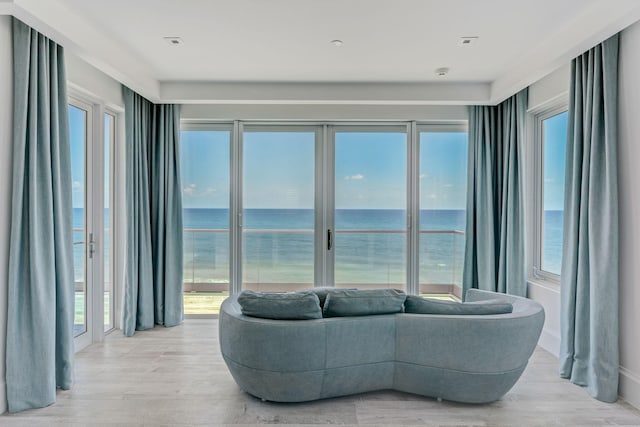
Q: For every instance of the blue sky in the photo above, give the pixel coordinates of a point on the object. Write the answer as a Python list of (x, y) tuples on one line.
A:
[(278, 170), (370, 168), (77, 132), (77, 135), (555, 143)]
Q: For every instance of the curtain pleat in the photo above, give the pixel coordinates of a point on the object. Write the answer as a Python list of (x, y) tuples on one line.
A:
[(494, 249), (153, 276), (40, 306), (589, 280)]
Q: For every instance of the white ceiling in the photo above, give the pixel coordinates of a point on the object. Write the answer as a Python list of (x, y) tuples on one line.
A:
[(393, 43)]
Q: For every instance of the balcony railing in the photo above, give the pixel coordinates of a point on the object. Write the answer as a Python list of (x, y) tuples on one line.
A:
[(282, 257)]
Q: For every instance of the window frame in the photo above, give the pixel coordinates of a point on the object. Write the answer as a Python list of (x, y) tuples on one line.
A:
[(537, 241)]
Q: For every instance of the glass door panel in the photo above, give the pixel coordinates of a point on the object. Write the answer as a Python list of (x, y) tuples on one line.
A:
[(78, 132), (109, 135), (278, 210), (554, 143), (205, 169), (443, 190), (370, 209)]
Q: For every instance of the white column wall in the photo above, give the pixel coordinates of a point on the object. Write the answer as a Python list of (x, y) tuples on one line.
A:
[(629, 214)]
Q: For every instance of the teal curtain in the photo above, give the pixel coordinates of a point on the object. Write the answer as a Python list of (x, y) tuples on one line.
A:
[(494, 236), (153, 275), (40, 301), (589, 281)]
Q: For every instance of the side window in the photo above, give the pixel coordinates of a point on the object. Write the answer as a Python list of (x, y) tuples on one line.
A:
[(551, 142)]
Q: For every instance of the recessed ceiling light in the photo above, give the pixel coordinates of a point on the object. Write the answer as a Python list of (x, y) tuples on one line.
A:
[(174, 41), (466, 41), (336, 42), (441, 72)]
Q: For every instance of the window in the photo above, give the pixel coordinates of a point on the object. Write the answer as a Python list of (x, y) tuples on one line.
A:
[(284, 207), (205, 158), (551, 142), (443, 198)]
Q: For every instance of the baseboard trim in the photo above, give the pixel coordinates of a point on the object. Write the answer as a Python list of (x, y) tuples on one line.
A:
[(3, 396), (550, 342), (629, 387)]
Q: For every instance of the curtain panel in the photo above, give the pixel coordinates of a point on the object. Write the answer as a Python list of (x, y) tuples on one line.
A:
[(40, 304), (153, 275), (494, 247), (589, 281)]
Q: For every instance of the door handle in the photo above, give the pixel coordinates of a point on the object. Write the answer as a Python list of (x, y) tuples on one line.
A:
[(92, 246), (329, 239)]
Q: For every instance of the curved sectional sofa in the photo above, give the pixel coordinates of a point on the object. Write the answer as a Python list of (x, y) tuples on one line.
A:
[(463, 358)]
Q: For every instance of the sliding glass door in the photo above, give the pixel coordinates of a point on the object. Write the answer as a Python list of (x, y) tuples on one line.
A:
[(205, 165), (277, 219), (275, 207), (370, 223), (443, 198)]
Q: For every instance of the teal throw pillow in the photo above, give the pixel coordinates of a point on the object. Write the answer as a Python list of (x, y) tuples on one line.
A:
[(280, 306), (418, 305), (346, 302)]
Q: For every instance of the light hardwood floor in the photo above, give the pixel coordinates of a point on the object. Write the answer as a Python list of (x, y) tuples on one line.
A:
[(176, 377)]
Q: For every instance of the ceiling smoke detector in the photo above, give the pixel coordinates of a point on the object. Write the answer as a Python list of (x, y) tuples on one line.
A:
[(337, 42), (467, 41), (441, 72), (173, 41)]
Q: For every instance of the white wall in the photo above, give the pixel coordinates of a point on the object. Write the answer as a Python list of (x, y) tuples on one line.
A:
[(289, 112), (6, 119), (93, 83), (629, 214)]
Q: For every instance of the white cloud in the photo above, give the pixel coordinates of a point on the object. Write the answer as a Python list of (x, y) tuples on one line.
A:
[(356, 176), (448, 185), (190, 190), (423, 175)]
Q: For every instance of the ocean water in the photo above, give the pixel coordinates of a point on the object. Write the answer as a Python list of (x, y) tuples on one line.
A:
[(278, 246), (369, 246)]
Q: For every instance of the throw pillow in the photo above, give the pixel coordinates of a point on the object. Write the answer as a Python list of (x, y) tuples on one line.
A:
[(280, 306), (419, 305), (344, 302)]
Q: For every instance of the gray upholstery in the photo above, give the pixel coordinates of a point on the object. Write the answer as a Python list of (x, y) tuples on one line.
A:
[(470, 358)]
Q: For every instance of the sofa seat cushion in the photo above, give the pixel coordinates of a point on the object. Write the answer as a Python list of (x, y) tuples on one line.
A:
[(280, 306), (418, 305), (346, 302)]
